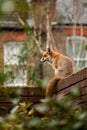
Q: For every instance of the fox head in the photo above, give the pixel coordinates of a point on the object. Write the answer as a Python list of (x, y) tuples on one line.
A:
[(46, 56)]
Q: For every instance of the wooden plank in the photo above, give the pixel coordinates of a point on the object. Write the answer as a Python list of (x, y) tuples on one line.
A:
[(30, 99), (3, 112), (1, 92), (24, 91), (34, 99), (84, 90), (22, 99), (35, 91), (4, 99), (81, 85), (7, 105), (83, 99), (5, 108), (73, 79)]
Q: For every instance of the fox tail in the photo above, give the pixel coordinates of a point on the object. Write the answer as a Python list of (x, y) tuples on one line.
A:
[(52, 86)]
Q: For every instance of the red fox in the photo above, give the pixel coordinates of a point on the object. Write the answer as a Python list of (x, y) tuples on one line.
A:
[(62, 65)]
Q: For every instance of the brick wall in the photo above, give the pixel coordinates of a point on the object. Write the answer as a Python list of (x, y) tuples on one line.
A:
[(69, 31), (6, 36)]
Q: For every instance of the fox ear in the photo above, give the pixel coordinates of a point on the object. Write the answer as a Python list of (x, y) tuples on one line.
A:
[(49, 50)]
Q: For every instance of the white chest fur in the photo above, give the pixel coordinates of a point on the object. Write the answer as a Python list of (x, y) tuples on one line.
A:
[(53, 64)]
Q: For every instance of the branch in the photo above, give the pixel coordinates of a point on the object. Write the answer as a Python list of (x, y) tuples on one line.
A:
[(19, 19), (50, 38), (48, 32), (38, 45)]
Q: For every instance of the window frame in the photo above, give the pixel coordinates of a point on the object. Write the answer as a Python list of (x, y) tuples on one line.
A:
[(15, 65), (77, 59)]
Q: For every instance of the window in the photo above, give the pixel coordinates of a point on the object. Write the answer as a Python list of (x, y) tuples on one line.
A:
[(17, 74), (76, 48)]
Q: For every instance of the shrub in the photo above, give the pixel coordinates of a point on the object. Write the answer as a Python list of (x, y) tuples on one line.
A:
[(57, 114)]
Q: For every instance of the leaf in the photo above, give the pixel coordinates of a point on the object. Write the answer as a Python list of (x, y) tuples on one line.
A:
[(22, 104), (29, 104), (77, 125), (11, 117), (45, 118), (75, 92), (35, 122), (15, 109), (31, 112), (42, 108), (82, 116)]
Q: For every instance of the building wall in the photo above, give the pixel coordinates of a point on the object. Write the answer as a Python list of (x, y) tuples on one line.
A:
[(7, 36), (79, 31)]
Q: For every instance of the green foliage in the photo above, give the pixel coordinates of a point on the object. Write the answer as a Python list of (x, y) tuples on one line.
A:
[(52, 113), (7, 6), (2, 78), (7, 76), (29, 57), (22, 7)]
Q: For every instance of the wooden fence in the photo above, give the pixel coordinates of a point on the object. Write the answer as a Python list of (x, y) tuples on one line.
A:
[(77, 80), (26, 94)]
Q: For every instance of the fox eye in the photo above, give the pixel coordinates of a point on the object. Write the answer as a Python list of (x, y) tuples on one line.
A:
[(45, 55)]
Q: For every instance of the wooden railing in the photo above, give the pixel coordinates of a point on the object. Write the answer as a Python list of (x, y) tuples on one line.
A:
[(76, 80), (26, 94)]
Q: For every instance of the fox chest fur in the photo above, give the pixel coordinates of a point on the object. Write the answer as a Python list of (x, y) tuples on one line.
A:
[(62, 66)]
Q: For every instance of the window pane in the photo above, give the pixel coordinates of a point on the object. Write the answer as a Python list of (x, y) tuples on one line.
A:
[(78, 51), (16, 74), (11, 52), (69, 48), (80, 46)]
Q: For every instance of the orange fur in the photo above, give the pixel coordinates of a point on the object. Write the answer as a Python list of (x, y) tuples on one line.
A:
[(62, 65), (50, 88)]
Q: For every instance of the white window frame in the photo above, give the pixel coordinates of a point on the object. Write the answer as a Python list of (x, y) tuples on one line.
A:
[(11, 51), (78, 59)]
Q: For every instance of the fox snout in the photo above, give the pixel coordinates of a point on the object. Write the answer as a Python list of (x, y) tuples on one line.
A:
[(42, 60), (45, 57)]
